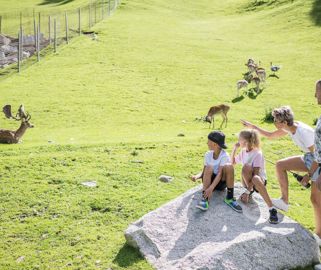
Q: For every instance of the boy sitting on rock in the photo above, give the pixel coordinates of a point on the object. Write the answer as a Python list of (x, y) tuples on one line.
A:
[(218, 172)]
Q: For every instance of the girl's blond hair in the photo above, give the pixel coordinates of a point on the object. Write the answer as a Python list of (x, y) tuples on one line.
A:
[(252, 138)]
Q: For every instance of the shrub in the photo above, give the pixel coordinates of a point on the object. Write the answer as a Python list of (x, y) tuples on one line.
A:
[(315, 120), (268, 118)]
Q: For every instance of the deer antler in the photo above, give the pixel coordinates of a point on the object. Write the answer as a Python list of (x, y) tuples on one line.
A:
[(7, 112), (28, 117), (21, 112)]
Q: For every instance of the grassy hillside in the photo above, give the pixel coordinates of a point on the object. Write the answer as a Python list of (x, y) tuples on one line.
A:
[(17, 6), (101, 106)]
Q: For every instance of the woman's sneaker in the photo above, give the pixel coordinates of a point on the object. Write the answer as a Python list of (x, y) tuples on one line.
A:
[(280, 204), (233, 204), (202, 204), (273, 219)]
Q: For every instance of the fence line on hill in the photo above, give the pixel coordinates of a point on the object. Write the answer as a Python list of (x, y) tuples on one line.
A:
[(28, 35)]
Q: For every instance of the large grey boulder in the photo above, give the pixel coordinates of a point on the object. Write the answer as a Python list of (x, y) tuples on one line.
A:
[(180, 236), (4, 40)]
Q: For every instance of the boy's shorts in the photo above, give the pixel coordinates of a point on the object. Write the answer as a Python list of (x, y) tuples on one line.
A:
[(221, 185), (308, 159)]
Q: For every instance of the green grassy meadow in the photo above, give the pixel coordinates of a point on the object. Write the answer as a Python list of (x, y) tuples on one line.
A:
[(101, 107), (17, 6)]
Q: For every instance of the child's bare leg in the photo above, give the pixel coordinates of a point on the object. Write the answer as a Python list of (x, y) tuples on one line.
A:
[(207, 177), (260, 187), (247, 174), (228, 174)]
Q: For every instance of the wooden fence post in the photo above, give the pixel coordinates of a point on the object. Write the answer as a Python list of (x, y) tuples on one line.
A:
[(95, 12), (21, 44), (55, 35), (49, 29), (89, 15), (39, 20), (79, 21), (38, 42), (20, 21), (66, 24), (34, 29), (102, 9), (18, 52)]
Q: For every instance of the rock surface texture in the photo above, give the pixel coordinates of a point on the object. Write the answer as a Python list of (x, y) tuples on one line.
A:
[(180, 236)]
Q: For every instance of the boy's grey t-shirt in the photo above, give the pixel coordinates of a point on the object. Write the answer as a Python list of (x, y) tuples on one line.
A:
[(222, 159)]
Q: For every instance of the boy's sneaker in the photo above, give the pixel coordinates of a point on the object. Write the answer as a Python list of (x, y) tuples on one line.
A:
[(273, 219), (280, 204), (203, 205), (318, 239), (233, 204)]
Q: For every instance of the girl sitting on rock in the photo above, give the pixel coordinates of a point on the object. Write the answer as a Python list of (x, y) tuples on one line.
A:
[(253, 170)]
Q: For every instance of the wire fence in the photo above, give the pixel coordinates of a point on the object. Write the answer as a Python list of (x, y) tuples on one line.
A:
[(28, 35)]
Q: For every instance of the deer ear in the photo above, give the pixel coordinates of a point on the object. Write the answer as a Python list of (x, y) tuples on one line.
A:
[(7, 111)]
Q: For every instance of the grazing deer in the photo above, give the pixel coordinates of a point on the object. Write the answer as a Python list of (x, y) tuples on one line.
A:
[(257, 82), (11, 136), (260, 72), (239, 85), (222, 109)]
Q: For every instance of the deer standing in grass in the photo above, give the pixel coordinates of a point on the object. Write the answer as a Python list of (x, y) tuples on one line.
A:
[(11, 136), (222, 109)]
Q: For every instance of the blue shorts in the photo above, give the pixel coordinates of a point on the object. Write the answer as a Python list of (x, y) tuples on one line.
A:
[(308, 159)]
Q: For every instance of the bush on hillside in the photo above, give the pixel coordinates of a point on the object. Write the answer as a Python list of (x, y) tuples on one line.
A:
[(315, 120), (268, 118), (254, 4)]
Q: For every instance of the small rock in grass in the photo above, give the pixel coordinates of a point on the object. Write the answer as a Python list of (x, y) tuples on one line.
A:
[(165, 178), (89, 184), (20, 259), (181, 135), (137, 161)]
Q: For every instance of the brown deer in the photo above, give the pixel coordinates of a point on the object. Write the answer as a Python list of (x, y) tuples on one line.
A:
[(222, 109), (241, 84), (11, 136)]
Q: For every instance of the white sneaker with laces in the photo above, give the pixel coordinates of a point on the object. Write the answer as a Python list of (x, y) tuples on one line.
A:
[(280, 204), (318, 239)]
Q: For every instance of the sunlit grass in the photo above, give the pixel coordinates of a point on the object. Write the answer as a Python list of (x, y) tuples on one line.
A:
[(157, 65)]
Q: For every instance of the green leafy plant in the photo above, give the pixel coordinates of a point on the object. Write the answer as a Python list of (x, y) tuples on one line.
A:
[(268, 118)]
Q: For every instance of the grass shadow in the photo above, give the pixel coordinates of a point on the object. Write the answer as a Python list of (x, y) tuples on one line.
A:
[(237, 99), (253, 93), (274, 76), (127, 256), (315, 12), (55, 2)]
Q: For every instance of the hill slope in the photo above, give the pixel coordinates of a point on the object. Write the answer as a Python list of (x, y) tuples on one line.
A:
[(106, 105)]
